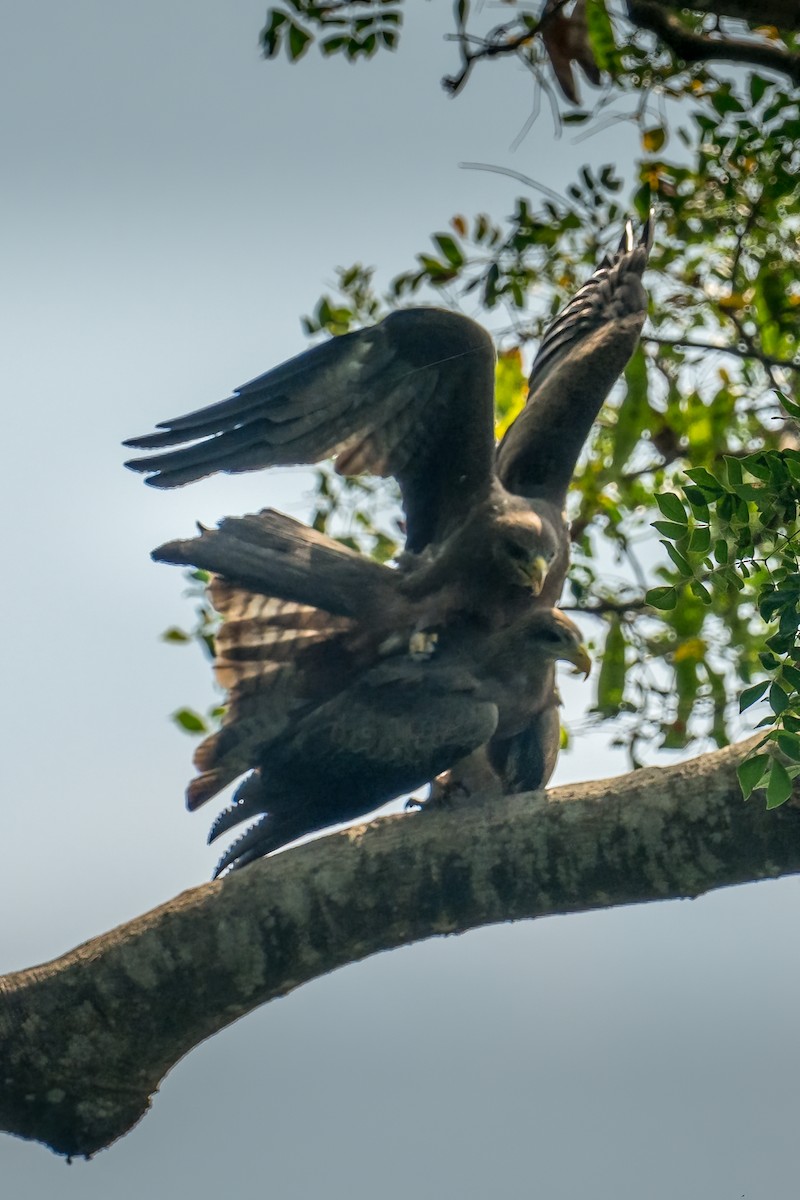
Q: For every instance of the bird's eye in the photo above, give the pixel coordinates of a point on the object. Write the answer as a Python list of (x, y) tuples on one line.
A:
[(550, 635), (518, 552)]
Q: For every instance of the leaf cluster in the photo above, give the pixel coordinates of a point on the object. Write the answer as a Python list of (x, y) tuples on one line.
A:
[(355, 28)]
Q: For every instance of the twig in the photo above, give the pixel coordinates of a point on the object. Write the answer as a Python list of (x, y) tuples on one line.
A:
[(749, 352)]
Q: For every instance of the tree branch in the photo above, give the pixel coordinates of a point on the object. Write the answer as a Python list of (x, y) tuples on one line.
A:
[(700, 47), (748, 351), (85, 1040), (783, 14)]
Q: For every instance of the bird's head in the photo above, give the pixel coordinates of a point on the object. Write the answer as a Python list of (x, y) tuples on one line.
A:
[(554, 635), (524, 550)]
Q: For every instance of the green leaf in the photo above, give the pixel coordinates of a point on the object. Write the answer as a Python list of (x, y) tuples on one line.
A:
[(779, 785), (670, 530), (299, 41), (698, 501), (601, 35), (678, 559), (789, 744), (751, 773), (701, 591), (632, 414), (752, 694), (706, 481), (611, 680), (778, 700), (671, 507), (662, 597), (450, 249), (791, 406), (700, 541), (733, 470), (189, 720), (174, 634), (333, 45), (270, 35)]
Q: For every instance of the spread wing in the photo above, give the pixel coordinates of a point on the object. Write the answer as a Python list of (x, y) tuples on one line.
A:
[(581, 356), (276, 556), (411, 397)]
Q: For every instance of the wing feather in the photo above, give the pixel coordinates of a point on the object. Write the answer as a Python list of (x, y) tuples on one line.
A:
[(411, 397), (582, 354)]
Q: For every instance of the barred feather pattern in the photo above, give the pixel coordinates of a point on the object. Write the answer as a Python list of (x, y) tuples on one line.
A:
[(270, 654)]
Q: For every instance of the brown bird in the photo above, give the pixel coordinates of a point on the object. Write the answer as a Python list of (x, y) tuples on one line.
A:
[(364, 737), (413, 397)]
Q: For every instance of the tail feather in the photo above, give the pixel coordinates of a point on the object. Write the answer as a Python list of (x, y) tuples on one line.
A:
[(271, 667), (269, 833), (248, 801), (253, 844), (275, 556)]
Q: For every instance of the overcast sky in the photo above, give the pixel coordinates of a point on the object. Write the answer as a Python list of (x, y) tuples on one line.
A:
[(171, 206)]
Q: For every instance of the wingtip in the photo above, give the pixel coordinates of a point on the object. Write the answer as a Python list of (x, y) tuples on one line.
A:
[(141, 466), (626, 242)]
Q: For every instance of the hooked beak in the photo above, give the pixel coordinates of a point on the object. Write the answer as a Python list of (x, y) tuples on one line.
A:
[(537, 573), (580, 658)]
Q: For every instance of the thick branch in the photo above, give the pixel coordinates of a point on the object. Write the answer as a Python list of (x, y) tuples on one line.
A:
[(85, 1040), (694, 47), (783, 14)]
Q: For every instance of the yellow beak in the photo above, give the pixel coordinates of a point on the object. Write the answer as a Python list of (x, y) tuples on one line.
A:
[(581, 659), (537, 573)]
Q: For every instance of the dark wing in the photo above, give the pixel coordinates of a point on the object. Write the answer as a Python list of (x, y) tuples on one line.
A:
[(274, 555), (581, 356), (390, 732), (411, 397)]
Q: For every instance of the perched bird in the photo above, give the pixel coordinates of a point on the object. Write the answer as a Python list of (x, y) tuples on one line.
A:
[(364, 737), (296, 599), (413, 397)]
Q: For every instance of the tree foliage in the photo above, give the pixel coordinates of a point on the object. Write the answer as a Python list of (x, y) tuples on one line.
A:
[(698, 447)]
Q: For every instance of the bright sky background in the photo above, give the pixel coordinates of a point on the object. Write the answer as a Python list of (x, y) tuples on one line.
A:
[(171, 206)]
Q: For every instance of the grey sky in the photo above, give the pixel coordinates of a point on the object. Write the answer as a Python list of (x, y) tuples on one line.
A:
[(171, 205)]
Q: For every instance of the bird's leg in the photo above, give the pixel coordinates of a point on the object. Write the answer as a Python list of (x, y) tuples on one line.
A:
[(444, 793), (471, 781)]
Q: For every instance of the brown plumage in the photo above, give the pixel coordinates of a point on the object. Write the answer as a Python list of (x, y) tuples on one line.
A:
[(413, 397), (367, 736), (487, 536)]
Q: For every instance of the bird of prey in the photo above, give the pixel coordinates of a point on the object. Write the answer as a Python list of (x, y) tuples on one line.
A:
[(413, 397), (330, 743)]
